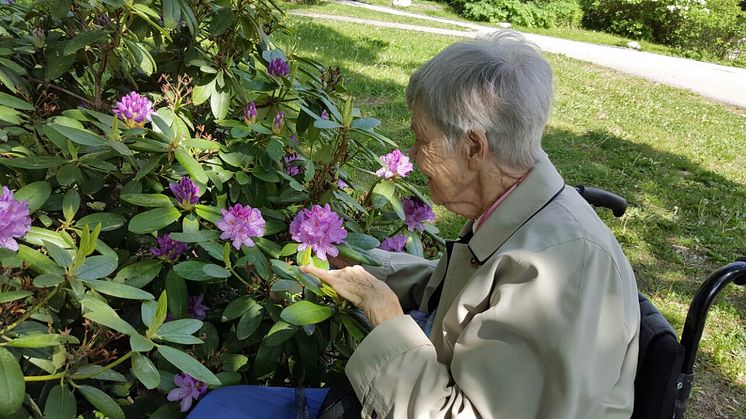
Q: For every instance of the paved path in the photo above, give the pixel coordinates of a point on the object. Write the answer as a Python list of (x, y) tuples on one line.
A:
[(721, 83)]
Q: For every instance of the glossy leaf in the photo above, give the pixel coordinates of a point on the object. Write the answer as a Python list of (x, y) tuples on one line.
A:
[(306, 312), (96, 267), (60, 403), (36, 194), (12, 386), (145, 371), (108, 220), (102, 402), (153, 220), (188, 364)]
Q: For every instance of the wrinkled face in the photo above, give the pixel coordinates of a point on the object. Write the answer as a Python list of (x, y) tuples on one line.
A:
[(448, 173)]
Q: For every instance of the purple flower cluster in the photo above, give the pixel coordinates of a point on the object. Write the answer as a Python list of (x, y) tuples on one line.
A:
[(168, 249), (187, 389), (416, 213), (397, 165), (293, 139), (325, 115), (341, 184), (14, 219), (134, 109), (319, 228), (394, 243), (278, 67), (196, 308), (249, 113), (278, 122), (186, 192), (290, 168), (240, 223)]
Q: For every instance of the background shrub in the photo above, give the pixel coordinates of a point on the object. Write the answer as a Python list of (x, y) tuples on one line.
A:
[(129, 281), (544, 14)]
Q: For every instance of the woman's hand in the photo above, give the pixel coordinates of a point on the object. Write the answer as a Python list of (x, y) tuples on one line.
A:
[(363, 290)]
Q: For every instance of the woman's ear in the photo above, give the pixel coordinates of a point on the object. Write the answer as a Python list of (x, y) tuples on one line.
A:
[(477, 148)]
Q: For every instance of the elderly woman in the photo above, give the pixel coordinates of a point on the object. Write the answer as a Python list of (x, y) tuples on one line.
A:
[(532, 312)]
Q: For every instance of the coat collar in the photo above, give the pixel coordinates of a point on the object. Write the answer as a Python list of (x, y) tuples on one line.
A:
[(541, 185)]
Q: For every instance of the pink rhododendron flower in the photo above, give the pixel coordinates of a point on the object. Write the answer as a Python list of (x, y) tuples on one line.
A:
[(278, 67), (416, 213), (240, 223), (319, 228), (394, 244), (15, 221), (168, 249), (186, 192), (291, 168), (187, 389), (134, 109), (397, 165)]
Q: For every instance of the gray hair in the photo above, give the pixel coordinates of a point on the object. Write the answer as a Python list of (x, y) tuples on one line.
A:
[(500, 84)]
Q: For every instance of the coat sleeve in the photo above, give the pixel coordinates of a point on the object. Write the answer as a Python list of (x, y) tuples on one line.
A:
[(550, 335), (407, 275)]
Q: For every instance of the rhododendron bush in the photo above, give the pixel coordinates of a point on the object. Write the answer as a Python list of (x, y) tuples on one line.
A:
[(165, 168)]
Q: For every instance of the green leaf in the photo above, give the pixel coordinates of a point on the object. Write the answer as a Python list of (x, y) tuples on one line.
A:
[(238, 307), (153, 220), (362, 241), (219, 104), (207, 212), (181, 339), (7, 297), (196, 236), (249, 322), (60, 403), (79, 136), (171, 13), (289, 249), (192, 270), (102, 402), (365, 123), (119, 147), (305, 312), (222, 21), (105, 375), (70, 204), (215, 271), (37, 261), (279, 333), (116, 289), (177, 294), (84, 39), (326, 124), (385, 192), (139, 274), (161, 311), (60, 255), (12, 386), (48, 280), (14, 102), (141, 57), (145, 371), (192, 166), (96, 267), (357, 255), (111, 320), (180, 326), (41, 341), (36, 194), (108, 220), (148, 200), (36, 162), (200, 94), (188, 364), (167, 411), (140, 343)]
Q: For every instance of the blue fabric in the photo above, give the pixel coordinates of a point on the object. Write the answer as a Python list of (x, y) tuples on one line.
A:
[(424, 320), (255, 402)]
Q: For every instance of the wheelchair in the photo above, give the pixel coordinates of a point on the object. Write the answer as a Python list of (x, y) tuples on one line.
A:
[(665, 368)]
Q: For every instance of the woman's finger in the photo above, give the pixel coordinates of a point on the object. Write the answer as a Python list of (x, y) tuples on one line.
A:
[(322, 274)]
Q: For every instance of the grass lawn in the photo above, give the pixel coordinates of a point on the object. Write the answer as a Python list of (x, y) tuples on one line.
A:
[(443, 10), (677, 158)]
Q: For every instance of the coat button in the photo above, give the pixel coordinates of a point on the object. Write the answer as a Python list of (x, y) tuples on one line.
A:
[(473, 261)]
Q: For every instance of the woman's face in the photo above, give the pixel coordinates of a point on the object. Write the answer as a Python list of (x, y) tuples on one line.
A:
[(449, 178)]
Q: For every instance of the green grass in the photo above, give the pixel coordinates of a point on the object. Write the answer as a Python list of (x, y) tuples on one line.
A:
[(443, 10), (676, 157), (338, 9)]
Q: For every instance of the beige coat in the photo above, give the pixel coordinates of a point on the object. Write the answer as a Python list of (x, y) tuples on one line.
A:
[(538, 319)]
